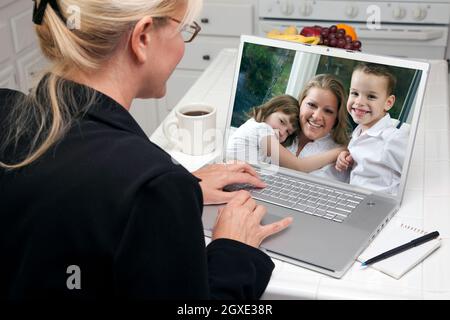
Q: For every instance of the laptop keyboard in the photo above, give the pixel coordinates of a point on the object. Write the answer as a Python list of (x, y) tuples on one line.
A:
[(304, 196)]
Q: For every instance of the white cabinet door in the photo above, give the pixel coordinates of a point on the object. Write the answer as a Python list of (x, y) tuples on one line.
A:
[(23, 31), (144, 111), (203, 50), (227, 19), (4, 3), (177, 86), (6, 50), (7, 79), (30, 67)]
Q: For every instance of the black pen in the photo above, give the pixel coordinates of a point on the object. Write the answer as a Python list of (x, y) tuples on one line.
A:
[(403, 247)]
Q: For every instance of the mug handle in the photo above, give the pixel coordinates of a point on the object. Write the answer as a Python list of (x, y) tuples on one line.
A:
[(167, 133)]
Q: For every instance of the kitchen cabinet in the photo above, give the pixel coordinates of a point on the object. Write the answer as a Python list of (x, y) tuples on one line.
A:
[(4, 3), (145, 111), (7, 78), (20, 57), (29, 67)]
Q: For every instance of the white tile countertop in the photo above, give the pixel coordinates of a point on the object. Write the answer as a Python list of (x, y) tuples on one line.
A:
[(426, 204)]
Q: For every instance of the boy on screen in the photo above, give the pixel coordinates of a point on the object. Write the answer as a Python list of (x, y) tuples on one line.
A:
[(377, 148)]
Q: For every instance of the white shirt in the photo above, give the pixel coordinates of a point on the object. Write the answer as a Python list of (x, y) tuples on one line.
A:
[(378, 156), (245, 143), (316, 147)]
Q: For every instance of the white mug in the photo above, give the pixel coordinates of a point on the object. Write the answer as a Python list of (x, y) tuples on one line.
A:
[(195, 132)]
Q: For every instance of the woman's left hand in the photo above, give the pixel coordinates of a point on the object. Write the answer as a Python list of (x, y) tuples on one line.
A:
[(216, 176)]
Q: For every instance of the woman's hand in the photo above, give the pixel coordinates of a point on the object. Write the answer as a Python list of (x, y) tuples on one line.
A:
[(241, 219), (344, 161), (215, 177)]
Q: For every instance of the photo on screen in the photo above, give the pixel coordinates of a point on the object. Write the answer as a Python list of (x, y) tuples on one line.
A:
[(342, 103)]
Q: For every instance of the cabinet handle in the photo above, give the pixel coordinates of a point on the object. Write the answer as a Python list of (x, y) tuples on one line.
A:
[(204, 20), (206, 57)]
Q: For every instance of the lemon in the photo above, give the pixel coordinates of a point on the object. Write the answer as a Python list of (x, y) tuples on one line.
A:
[(290, 30), (273, 33)]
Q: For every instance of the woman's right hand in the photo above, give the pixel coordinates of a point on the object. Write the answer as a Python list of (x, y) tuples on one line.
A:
[(240, 220)]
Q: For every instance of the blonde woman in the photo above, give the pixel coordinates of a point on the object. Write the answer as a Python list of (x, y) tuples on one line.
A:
[(90, 208), (323, 121)]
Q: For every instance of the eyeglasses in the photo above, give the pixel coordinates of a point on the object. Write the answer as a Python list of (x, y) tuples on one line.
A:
[(188, 32)]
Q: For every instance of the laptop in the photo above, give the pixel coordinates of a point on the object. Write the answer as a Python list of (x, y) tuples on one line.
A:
[(334, 220)]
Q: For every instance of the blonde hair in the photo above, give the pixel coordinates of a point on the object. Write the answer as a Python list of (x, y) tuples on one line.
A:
[(283, 103), (47, 112), (328, 82)]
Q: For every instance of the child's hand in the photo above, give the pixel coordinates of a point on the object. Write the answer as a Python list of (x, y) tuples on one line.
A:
[(344, 161)]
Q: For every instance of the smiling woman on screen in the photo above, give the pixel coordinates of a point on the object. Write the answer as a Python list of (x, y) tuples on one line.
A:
[(323, 122)]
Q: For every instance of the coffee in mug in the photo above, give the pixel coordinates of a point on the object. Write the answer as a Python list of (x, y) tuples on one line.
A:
[(195, 129), (195, 113)]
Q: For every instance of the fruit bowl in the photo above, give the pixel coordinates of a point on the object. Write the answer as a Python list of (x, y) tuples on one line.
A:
[(339, 36)]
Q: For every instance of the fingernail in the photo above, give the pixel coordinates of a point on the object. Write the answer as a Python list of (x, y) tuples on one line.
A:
[(289, 220)]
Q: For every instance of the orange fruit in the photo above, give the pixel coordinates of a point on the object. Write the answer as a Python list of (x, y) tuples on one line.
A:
[(349, 30)]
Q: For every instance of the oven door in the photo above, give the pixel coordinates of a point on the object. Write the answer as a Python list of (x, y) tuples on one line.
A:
[(413, 41)]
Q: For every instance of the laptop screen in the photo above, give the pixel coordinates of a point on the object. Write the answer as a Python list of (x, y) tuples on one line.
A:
[(341, 116)]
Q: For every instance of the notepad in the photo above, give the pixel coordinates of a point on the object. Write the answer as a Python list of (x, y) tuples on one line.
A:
[(395, 234)]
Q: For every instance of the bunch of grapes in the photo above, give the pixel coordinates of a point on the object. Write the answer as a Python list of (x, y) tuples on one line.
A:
[(334, 37)]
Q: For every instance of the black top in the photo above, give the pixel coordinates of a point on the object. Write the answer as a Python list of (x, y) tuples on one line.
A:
[(113, 204)]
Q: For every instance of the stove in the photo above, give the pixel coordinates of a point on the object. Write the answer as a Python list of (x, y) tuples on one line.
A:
[(415, 29)]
